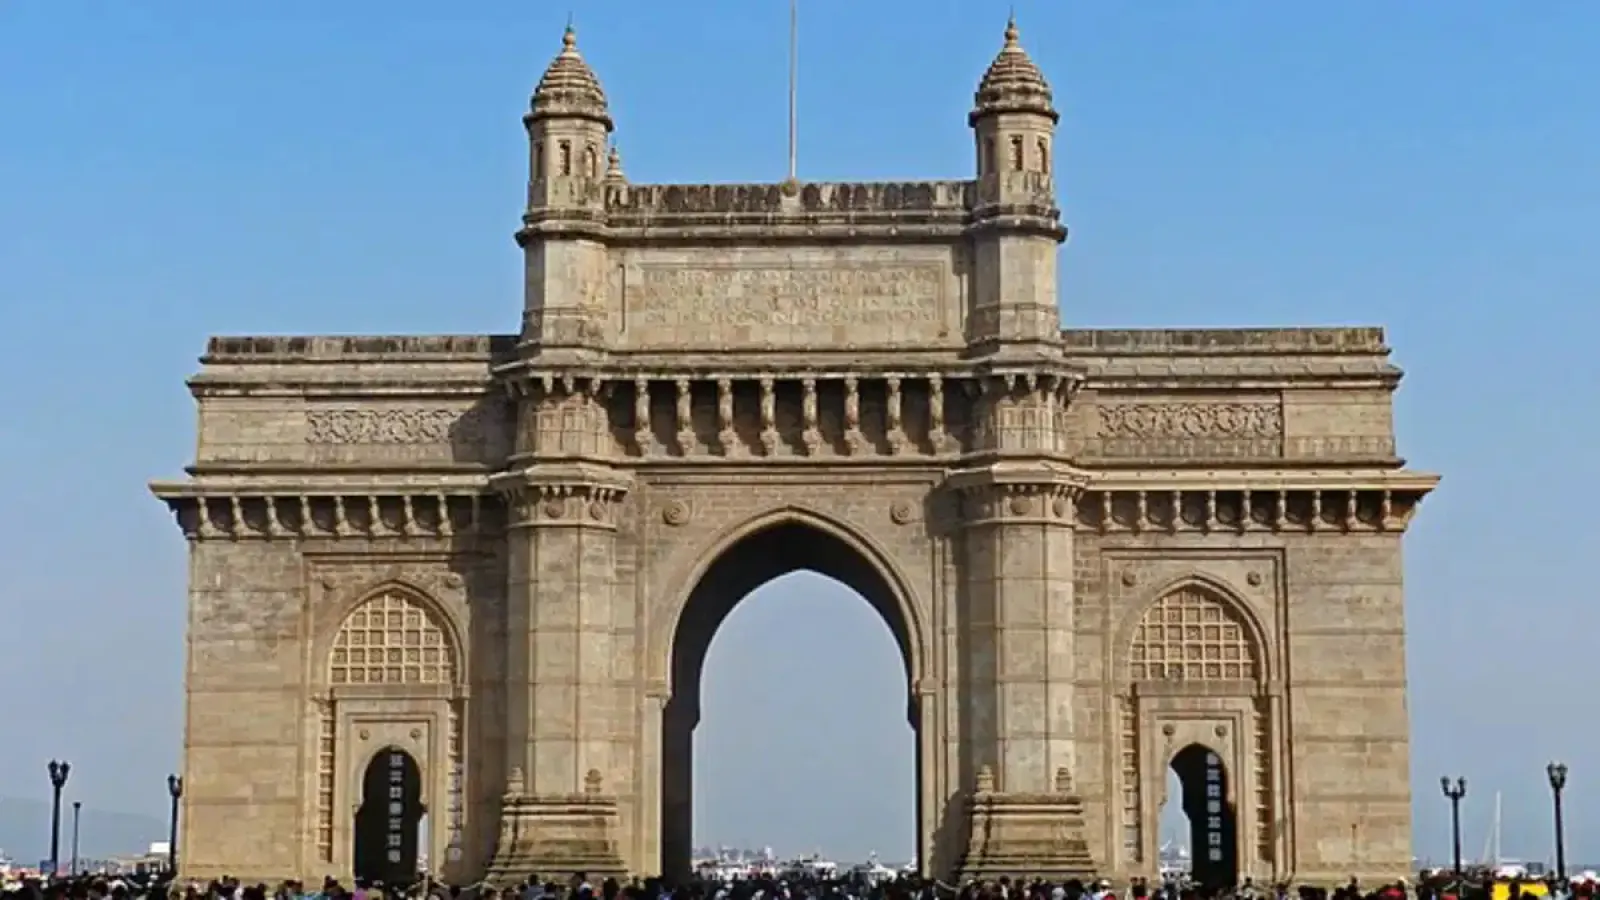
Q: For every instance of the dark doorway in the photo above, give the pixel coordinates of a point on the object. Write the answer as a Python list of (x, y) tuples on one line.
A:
[(1213, 826), (386, 838)]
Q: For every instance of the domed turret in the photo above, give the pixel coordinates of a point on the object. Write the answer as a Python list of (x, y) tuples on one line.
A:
[(1013, 113), (569, 127), (1016, 220), (568, 124)]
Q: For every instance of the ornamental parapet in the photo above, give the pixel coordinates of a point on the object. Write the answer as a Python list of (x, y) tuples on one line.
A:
[(812, 211), (246, 511)]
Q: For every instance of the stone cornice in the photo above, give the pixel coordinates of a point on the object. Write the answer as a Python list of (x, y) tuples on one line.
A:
[(1169, 342), (336, 349), (1401, 480), (267, 512), (1259, 502)]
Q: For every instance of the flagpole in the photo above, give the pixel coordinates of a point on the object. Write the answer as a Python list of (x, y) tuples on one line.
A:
[(794, 80)]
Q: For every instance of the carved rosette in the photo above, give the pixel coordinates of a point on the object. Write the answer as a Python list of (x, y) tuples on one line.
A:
[(676, 512)]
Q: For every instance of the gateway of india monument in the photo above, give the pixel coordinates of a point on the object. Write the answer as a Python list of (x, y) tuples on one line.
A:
[(450, 595)]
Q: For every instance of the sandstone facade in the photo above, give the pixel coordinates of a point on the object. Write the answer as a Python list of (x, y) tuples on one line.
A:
[(506, 555)]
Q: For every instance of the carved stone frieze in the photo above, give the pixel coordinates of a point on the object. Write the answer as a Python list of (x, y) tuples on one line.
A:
[(1188, 430), (1179, 420), (401, 425)]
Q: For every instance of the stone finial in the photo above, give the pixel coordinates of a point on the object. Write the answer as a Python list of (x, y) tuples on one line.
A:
[(592, 782), (1063, 780), (516, 785), (614, 173), (985, 779), (1013, 83)]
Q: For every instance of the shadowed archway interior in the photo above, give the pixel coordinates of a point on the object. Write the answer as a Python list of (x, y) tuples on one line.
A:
[(386, 832), (754, 560), (1213, 824)]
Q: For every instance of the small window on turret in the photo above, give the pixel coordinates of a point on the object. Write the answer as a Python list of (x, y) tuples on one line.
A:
[(591, 162), (1016, 154), (1044, 156), (538, 161), (566, 158), (986, 158)]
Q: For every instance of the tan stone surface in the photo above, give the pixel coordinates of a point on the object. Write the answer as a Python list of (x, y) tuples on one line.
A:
[(506, 554)]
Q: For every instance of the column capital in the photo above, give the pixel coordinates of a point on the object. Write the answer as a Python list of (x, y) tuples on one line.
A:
[(564, 495), (1039, 491)]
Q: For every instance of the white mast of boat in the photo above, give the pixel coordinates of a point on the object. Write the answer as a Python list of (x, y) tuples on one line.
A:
[(1496, 828), (1491, 842)]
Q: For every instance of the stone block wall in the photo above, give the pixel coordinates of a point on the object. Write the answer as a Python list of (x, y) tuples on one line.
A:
[(244, 768)]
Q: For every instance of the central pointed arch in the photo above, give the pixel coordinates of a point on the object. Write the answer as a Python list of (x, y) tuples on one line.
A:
[(759, 549), (736, 563)]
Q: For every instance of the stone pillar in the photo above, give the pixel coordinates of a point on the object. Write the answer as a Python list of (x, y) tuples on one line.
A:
[(569, 715), (1018, 513)]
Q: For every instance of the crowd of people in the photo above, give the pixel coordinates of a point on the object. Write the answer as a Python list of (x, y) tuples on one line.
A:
[(157, 886)]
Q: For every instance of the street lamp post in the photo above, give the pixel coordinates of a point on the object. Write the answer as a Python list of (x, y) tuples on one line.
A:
[(175, 791), (1455, 791), (59, 770), (77, 809), (1558, 780)]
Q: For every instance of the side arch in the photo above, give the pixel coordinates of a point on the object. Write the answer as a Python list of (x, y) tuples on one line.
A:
[(900, 609), (1215, 590), (335, 621)]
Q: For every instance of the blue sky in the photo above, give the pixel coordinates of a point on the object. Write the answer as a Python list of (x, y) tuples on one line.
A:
[(174, 170)]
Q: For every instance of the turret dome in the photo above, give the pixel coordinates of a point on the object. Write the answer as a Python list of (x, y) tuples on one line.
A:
[(1013, 83)]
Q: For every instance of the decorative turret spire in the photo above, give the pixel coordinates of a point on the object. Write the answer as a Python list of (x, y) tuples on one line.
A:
[(614, 173), (569, 88), (1013, 83)]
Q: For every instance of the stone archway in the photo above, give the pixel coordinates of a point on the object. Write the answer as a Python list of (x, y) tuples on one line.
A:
[(392, 683), (1195, 671), (757, 553), (890, 353)]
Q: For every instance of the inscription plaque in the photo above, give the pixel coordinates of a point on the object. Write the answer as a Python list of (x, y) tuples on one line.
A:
[(779, 305)]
